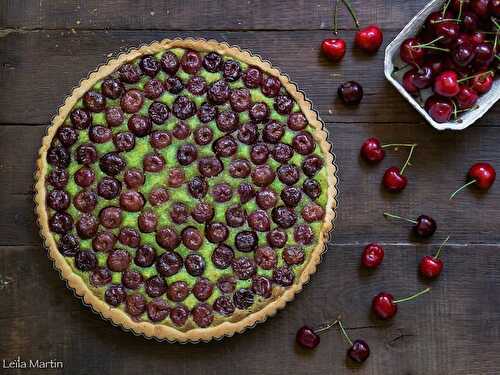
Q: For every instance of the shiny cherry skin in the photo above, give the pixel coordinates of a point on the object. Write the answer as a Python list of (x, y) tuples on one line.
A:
[(410, 53), (369, 38), (480, 7), (408, 84), (393, 180), (383, 306), (476, 38), (307, 338), (422, 78), (351, 92), (425, 226), (466, 97), (446, 84), (494, 8), (439, 108), (333, 48), (449, 32), (359, 351), (430, 267), (463, 54), (372, 151), (372, 256), (482, 84), (484, 174)]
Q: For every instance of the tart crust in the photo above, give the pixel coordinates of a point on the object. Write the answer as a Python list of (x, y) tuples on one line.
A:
[(159, 331)]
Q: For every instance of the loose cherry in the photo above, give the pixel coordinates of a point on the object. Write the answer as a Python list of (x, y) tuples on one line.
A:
[(446, 84), (482, 175), (333, 48), (385, 307), (466, 97), (358, 351), (369, 38), (393, 179), (308, 337), (373, 152), (439, 108), (431, 266), (351, 92), (372, 256), (424, 226)]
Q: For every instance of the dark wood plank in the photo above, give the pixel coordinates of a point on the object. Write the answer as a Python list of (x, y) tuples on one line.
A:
[(439, 334), (41, 68), (199, 15), (470, 218)]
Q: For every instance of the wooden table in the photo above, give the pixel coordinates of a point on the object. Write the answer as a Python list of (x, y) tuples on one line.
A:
[(47, 46)]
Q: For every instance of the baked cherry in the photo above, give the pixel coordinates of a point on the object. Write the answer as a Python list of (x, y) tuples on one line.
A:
[(482, 175), (424, 226), (393, 179), (372, 256), (431, 266), (333, 48), (385, 306), (369, 38)]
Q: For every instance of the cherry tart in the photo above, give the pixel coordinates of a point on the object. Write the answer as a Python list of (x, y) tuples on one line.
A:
[(186, 190)]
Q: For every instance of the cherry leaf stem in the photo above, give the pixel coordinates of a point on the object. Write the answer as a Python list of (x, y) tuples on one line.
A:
[(344, 333), (399, 145), (351, 10), (462, 188), (408, 159), (440, 247), (386, 214), (335, 17), (326, 327), (474, 76), (413, 296)]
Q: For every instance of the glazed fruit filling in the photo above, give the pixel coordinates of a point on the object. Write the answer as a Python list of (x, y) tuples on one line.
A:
[(186, 187)]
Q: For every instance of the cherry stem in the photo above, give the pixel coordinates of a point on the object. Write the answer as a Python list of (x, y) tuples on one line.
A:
[(454, 110), (335, 16), (351, 10), (446, 20), (462, 188), (445, 8), (413, 296), (407, 162), (399, 145), (327, 326), (475, 75), (440, 247), (497, 57), (495, 23), (386, 214), (344, 333), (428, 43), (460, 10)]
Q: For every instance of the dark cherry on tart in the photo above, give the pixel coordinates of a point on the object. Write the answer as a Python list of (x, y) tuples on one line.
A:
[(187, 188)]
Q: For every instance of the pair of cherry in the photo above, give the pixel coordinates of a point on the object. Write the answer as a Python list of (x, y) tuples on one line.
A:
[(374, 152), (308, 338), (368, 39)]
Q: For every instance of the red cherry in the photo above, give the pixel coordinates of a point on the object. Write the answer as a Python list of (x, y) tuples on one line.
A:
[(482, 175), (424, 226), (372, 151), (408, 78), (307, 338), (439, 108), (458, 5), (369, 39), (393, 180), (372, 256), (411, 52), (466, 97), (477, 38), (494, 8), (422, 77), (431, 266), (359, 351), (385, 307), (480, 7), (333, 48), (482, 83), (435, 19), (435, 62), (447, 32), (446, 84)]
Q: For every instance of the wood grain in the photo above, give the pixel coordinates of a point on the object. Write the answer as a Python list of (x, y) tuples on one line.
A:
[(46, 47)]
